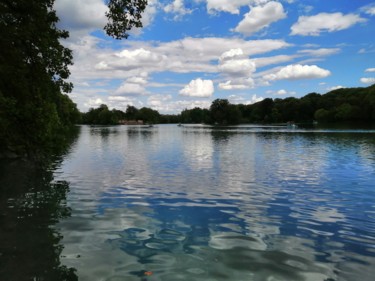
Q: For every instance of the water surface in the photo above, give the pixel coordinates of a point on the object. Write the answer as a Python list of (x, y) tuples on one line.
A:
[(232, 203)]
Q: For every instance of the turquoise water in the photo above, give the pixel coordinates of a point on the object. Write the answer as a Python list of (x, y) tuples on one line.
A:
[(201, 203)]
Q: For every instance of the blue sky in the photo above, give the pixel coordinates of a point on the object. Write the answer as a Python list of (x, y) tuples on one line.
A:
[(190, 53)]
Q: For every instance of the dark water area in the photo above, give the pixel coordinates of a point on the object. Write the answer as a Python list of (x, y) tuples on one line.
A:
[(194, 203), (31, 203)]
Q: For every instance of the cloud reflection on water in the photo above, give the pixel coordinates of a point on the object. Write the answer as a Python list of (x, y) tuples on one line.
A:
[(235, 204)]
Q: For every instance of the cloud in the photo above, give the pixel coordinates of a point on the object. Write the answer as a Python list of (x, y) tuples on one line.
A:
[(81, 15), (281, 92), (335, 88), (129, 89), (260, 17), (324, 22), (166, 103), (177, 7), (233, 6), (237, 69), (133, 86), (198, 88), (136, 59), (368, 80), (237, 84), (237, 66), (230, 6), (369, 9), (320, 52), (233, 62), (260, 62), (232, 53), (92, 62), (238, 99), (158, 101), (137, 55), (370, 70), (297, 72)]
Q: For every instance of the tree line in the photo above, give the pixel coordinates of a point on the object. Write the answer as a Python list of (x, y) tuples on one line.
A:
[(341, 105)]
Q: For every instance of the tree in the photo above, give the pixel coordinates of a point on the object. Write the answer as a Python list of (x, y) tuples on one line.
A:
[(34, 67), (323, 115), (148, 115), (123, 15), (223, 113), (218, 110), (131, 112)]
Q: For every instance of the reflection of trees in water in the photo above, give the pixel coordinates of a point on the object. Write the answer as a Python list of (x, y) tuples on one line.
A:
[(103, 131), (140, 132), (31, 203)]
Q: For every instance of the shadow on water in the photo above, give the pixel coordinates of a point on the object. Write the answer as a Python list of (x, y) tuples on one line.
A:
[(31, 203)]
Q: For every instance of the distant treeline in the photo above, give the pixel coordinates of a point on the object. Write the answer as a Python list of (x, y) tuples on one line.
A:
[(341, 105), (103, 116)]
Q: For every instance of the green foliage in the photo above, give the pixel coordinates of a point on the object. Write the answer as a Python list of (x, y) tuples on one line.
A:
[(123, 15), (195, 116), (131, 113), (322, 115), (148, 115), (343, 105), (224, 113), (351, 104), (33, 69), (103, 116), (170, 118)]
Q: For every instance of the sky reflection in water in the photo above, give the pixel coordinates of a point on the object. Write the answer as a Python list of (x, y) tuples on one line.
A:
[(194, 203)]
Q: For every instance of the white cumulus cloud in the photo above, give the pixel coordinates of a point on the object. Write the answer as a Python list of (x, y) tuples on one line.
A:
[(260, 17), (198, 88), (370, 70), (368, 80), (297, 71), (324, 22), (177, 7), (232, 53), (230, 6), (78, 15), (133, 86), (237, 68), (129, 89)]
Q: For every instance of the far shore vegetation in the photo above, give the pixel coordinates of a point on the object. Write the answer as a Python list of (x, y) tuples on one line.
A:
[(354, 105)]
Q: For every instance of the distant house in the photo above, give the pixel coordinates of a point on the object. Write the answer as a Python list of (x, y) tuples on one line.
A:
[(130, 122)]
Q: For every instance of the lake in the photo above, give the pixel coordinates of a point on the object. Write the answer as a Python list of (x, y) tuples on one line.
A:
[(191, 203)]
